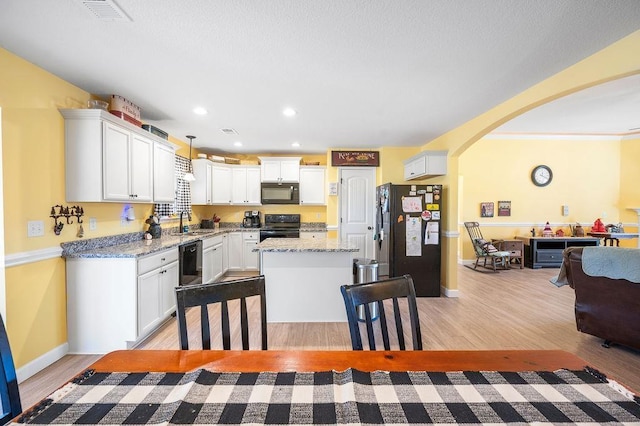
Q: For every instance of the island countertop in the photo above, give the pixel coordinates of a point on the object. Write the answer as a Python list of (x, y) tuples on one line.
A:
[(304, 245)]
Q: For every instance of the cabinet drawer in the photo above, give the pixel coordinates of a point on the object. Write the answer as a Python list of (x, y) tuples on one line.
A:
[(211, 241), (250, 235), (549, 256), (154, 261)]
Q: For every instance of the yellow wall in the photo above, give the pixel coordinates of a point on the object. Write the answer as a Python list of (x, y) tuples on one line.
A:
[(629, 179), (578, 183)]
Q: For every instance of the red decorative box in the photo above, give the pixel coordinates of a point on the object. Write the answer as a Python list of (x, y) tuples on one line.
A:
[(127, 117)]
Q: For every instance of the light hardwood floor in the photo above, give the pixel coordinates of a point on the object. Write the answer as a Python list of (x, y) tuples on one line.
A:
[(515, 309)]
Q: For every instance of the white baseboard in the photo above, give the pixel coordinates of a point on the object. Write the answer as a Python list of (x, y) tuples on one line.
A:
[(42, 362), (449, 293)]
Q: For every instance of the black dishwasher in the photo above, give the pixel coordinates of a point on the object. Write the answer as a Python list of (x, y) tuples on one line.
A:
[(191, 263)]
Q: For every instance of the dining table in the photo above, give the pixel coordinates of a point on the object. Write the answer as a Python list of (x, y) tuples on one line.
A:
[(337, 387)]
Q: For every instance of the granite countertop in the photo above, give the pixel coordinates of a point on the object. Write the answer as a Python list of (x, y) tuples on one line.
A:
[(141, 247), (304, 245), (134, 245)]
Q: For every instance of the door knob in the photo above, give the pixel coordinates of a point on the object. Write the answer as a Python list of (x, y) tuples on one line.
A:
[(369, 228)]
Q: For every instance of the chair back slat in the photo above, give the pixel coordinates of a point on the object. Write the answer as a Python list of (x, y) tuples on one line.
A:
[(244, 323), (399, 330), (362, 294), (204, 295), (9, 392), (205, 329), (224, 320)]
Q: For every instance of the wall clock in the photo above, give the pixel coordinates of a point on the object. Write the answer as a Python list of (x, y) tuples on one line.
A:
[(541, 175)]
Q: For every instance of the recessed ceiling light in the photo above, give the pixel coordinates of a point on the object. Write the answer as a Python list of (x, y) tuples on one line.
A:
[(200, 111), (295, 144), (289, 112), (237, 143)]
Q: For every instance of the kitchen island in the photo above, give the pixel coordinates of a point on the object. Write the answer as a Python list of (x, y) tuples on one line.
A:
[(303, 278)]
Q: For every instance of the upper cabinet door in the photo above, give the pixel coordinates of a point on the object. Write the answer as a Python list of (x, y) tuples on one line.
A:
[(270, 170), (312, 185), (253, 186), (201, 188), (290, 170), (116, 163), (221, 184), (141, 168)]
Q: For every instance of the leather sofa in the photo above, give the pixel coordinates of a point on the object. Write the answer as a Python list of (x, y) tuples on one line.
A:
[(606, 308)]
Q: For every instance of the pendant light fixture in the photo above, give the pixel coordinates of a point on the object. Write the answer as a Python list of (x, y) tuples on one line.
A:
[(189, 177)]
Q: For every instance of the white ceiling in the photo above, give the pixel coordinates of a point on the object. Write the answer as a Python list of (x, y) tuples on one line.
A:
[(360, 73)]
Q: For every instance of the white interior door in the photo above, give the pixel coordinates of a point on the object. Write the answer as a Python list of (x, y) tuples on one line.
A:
[(357, 208)]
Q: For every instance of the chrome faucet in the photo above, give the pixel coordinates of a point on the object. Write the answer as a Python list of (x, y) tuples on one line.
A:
[(188, 218)]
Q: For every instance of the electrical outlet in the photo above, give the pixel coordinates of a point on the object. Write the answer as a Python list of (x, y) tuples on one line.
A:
[(93, 224), (35, 228), (565, 210)]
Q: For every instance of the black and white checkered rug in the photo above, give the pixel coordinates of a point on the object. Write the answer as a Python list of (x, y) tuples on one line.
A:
[(349, 397)]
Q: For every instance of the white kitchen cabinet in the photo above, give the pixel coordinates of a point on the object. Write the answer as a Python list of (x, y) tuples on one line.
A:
[(128, 165), (221, 184), (201, 188), (426, 164), (312, 185), (245, 185), (135, 296), (107, 159), (280, 169), (225, 253), (164, 176), (251, 259), (156, 299), (241, 256), (236, 262), (212, 255)]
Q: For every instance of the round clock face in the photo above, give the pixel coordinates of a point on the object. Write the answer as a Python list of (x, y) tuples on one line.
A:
[(541, 175)]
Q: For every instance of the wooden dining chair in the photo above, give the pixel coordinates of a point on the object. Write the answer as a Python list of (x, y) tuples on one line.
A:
[(204, 295), (9, 392), (377, 292)]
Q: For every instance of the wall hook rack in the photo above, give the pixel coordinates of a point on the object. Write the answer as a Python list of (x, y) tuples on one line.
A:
[(67, 213)]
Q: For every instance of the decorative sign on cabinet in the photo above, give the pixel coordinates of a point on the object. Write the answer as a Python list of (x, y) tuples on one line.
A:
[(426, 164), (108, 159)]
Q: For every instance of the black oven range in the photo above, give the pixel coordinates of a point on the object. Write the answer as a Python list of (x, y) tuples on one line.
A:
[(280, 226)]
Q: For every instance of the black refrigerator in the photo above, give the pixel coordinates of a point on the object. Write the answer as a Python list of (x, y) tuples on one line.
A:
[(408, 233)]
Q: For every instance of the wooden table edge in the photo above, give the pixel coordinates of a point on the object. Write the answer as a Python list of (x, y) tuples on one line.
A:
[(282, 361)]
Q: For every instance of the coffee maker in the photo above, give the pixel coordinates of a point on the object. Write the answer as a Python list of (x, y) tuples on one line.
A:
[(251, 219)]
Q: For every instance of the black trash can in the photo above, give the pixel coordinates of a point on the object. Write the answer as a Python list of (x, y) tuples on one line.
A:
[(365, 271)]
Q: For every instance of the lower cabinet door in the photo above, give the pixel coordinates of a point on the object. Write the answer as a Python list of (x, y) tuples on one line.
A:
[(168, 283), (251, 258), (216, 261), (207, 265), (148, 301)]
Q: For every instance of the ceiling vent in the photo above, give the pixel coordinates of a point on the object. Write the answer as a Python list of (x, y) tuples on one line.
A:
[(229, 131), (105, 10)]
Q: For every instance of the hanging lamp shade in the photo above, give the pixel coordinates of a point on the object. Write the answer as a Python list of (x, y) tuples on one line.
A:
[(189, 177)]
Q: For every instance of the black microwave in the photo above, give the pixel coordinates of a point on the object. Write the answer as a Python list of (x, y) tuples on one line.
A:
[(280, 193)]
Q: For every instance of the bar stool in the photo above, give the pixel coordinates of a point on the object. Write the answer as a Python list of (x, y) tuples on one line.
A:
[(611, 240)]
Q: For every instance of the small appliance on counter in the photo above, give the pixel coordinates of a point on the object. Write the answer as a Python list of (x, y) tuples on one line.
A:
[(251, 219)]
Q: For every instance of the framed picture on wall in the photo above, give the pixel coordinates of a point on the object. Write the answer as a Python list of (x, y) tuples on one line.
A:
[(486, 209), (504, 208)]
